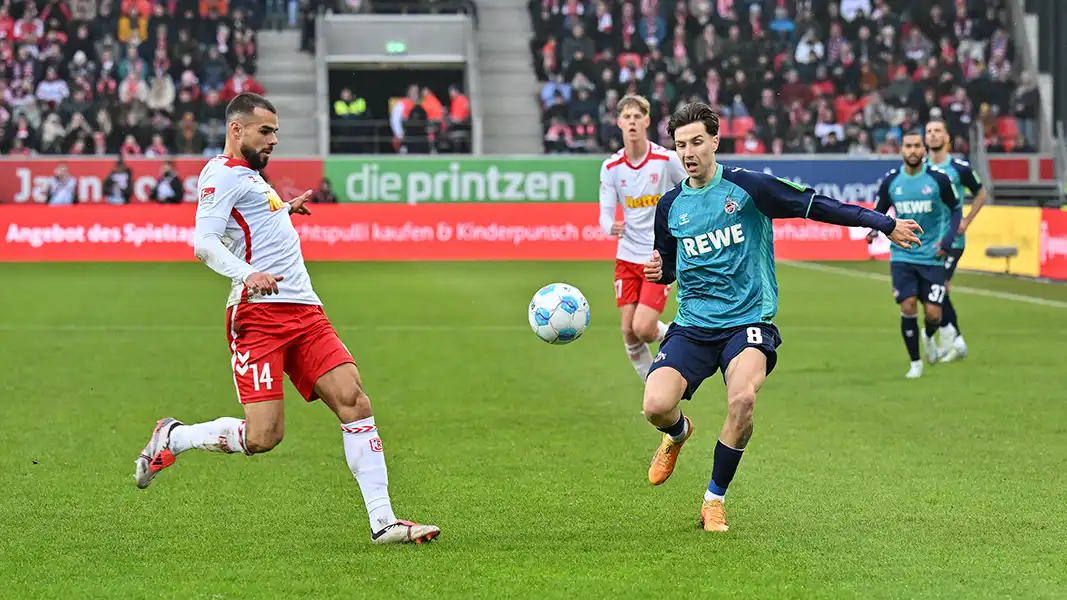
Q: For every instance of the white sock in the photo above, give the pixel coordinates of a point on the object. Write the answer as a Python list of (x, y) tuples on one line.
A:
[(708, 495), (225, 434), (640, 357), (363, 448), (662, 330), (948, 330)]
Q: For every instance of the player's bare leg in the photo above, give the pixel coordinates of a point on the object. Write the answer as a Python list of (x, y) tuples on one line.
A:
[(640, 327), (744, 378), (260, 431), (909, 330), (663, 393), (342, 390)]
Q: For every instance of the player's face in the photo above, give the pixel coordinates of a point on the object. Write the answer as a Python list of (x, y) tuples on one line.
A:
[(936, 136), (912, 150), (696, 148), (258, 134), (634, 124)]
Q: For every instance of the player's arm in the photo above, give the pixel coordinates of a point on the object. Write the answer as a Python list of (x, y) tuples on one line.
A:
[(781, 199), (665, 245), (973, 183), (212, 215), (948, 195), (609, 200), (883, 202)]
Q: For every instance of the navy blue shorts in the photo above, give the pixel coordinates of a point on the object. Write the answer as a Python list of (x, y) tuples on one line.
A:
[(952, 260), (927, 282), (697, 353)]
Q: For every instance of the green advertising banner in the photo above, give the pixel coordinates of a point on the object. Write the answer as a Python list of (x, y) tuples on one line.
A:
[(419, 180)]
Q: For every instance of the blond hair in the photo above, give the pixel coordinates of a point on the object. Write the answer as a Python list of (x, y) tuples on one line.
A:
[(638, 102)]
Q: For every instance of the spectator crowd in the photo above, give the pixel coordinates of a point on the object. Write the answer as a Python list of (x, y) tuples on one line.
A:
[(129, 77), (787, 76)]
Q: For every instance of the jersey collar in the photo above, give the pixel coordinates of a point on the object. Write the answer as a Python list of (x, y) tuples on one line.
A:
[(715, 179)]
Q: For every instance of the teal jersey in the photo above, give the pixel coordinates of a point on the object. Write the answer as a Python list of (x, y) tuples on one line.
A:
[(964, 180), (929, 199), (718, 242)]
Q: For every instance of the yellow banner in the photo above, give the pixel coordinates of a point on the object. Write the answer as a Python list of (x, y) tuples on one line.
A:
[(1015, 226)]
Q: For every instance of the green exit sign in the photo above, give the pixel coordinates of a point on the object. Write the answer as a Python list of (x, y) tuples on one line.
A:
[(396, 47)]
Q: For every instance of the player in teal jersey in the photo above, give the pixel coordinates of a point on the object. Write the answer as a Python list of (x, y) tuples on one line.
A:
[(713, 235), (924, 194), (963, 178)]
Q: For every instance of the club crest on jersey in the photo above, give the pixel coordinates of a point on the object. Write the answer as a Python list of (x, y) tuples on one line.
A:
[(274, 200), (730, 206), (926, 190)]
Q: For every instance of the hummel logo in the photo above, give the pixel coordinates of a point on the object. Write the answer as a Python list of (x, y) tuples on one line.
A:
[(683, 219), (660, 356)]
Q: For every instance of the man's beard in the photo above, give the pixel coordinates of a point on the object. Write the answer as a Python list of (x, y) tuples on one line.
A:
[(252, 156), (937, 148), (914, 161)]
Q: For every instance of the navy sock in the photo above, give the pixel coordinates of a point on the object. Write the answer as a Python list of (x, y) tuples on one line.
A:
[(932, 327), (723, 468), (948, 314), (676, 430), (909, 328)]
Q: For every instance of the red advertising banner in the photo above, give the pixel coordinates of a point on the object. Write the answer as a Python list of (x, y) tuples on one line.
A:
[(1054, 244), (529, 231), (25, 181)]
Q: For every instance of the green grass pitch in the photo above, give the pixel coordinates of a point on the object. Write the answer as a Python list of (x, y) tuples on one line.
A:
[(532, 458)]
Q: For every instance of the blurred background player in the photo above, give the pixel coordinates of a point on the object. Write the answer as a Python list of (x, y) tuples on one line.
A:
[(963, 178), (714, 234), (277, 325), (925, 195), (636, 176)]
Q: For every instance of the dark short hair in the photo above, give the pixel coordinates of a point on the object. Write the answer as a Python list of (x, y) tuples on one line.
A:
[(246, 103), (917, 132), (938, 120), (696, 112)]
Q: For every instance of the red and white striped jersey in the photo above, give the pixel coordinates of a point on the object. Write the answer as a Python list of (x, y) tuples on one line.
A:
[(638, 188), (235, 201)]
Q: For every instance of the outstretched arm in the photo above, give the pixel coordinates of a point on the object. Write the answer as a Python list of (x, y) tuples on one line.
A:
[(212, 215)]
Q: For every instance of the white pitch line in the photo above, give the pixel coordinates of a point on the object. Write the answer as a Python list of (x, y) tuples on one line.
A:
[(955, 288), (170, 328)]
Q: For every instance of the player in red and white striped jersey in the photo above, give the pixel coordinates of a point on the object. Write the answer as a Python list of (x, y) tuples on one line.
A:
[(636, 177), (276, 325)]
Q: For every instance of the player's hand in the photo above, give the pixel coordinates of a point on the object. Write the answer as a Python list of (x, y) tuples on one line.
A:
[(904, 234), (964, 224), (296, 205), (873, 235), (618, 228), (654, 267), (263, 283)]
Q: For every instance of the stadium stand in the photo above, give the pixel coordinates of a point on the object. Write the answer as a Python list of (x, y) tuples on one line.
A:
[(796, 76), (128, 77)]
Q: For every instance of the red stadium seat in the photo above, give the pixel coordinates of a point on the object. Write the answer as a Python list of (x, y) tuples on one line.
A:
[(740, 126)]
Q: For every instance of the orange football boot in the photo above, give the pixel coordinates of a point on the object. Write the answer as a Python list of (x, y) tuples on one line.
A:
[(666, 455), (713, 516)]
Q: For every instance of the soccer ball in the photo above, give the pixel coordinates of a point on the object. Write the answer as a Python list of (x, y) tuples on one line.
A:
[(559, 313)]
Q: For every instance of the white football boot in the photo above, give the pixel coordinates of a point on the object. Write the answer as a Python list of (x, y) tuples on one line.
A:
[(405, 532), (916, 370), (930, 349)]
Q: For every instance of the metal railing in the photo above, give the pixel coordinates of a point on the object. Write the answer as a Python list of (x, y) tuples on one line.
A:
[(1060, 161), (980, 160)]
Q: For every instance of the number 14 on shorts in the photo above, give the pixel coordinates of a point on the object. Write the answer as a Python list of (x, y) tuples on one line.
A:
[(261, 378)]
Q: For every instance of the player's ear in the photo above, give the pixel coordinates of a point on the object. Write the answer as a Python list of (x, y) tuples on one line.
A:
[(715, 143)]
